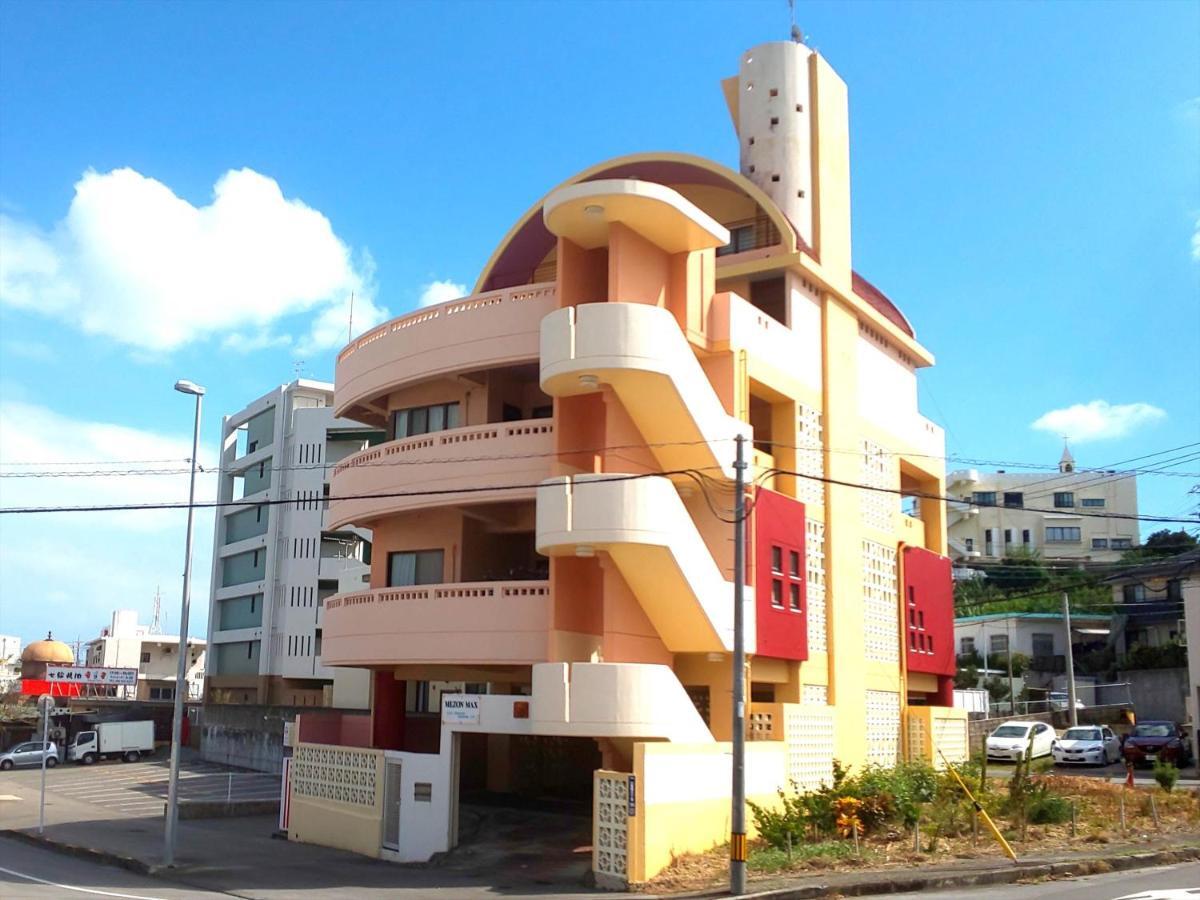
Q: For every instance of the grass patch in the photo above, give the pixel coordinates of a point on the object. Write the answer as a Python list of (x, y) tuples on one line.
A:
[(771, 859)]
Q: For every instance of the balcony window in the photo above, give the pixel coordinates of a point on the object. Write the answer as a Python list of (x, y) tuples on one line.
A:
[(984, 498), (424, 419), (1014, 499), (1061, 535), (1064, 499), (409, 568)]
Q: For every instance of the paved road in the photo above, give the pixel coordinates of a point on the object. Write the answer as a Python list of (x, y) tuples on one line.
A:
[(139, 789), (1093, 887), (31, 873)]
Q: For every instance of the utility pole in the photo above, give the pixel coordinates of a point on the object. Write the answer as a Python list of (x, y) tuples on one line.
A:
[(737, 819), (1070, 662), (1012, 696)]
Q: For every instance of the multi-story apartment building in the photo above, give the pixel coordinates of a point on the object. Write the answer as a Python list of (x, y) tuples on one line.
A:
[(551, 510), (274, 561), (1067, 515), (127, 645)]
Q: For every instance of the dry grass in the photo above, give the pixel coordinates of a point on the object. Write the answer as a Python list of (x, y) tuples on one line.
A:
[(1097, 825)]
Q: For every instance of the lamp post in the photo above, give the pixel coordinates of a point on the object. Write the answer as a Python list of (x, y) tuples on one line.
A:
[(184, 387)]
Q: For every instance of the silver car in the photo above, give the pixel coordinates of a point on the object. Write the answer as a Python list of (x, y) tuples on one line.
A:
[(30, 753)]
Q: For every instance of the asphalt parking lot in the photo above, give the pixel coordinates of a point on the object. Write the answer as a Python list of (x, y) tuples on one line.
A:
[(140, 789)]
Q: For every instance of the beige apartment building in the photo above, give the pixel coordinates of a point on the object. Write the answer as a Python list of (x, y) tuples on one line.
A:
[(1075, 514)]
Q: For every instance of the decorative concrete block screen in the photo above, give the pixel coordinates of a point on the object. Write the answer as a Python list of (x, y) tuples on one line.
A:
[(814, 553), (810, 456), (919, 747), (336, 774), (877, 472), (883, 727), (809, 738), (610, 829), (814, 695), (880, 614)]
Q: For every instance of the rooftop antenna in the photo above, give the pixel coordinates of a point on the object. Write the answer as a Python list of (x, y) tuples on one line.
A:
[(797, 34), (298, 368), (156, 619), (350, 324)]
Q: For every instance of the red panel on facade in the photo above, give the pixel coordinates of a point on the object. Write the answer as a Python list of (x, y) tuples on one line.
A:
[(781, 600), (929, 612), (37, 687)]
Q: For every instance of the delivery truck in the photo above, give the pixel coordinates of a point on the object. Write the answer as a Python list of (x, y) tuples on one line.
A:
[(128, 740)]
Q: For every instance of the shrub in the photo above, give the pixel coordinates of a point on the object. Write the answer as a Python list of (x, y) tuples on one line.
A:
[(1166, 775), (1046, 807)]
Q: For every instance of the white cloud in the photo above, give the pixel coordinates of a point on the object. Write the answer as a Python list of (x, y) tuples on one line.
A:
[(35, 351), (441, 291), (73, 569), (1098, 420), (36, 439), (134, 262)]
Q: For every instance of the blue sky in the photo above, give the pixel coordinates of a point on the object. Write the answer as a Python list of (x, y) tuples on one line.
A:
[(1026, 188)]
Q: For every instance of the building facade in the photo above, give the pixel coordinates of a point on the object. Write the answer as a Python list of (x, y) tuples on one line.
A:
[(551, 509), (1061, 516), (127, 645), (274, 561)]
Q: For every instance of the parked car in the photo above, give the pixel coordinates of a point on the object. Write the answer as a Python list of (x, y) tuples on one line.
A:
[(30, 753), (1011, 740), (1160, 740), (1061, 700), (1087, 744)]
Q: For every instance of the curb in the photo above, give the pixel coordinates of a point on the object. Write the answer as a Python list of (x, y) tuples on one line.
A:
[(902, 882), (97, 856)]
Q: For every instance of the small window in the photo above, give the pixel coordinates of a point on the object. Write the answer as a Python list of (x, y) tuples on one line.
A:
[(794, 564), (921, 619), (1121, 543), (799, 107), (777, 593), (1095, 502), (1064, 499), (1134, 593), (145, 656), (776, 559), (1026, 537), (794, 596), (966, 646), (1099, 543), (1014, 499), (774, 120), (984, 498), (423, 792), (1008, 536), (773, 92), (997, 643), (970, 544), (1063, 535), (774, 177), (929, 642), (409, 568)]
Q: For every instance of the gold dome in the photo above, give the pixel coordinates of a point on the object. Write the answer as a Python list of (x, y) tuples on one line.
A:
[(48, 651)]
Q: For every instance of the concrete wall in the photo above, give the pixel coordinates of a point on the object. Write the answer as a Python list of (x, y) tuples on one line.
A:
[(246, 736), (1155, 693)]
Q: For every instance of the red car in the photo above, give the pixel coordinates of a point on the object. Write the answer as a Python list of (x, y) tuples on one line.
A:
[(1153, 741)]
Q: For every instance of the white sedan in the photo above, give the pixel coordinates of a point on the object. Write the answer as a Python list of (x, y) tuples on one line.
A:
[(1087, 744), (1011, 740)]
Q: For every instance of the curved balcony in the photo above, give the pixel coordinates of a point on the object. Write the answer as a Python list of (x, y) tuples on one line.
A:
[(493, 622), (477, 464), (484, 331)]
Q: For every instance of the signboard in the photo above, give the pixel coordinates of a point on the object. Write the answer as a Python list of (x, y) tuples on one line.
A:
[(91, 675), (460, 709), (632, 796), (289, 733)]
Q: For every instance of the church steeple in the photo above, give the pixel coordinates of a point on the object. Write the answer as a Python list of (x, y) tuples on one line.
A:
[(1066, 463)]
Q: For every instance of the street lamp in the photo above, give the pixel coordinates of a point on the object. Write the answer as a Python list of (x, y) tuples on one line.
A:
[(184, 387)]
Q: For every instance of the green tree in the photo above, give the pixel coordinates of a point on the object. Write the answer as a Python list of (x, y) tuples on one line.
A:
[(1162, 543), (1022, 571)]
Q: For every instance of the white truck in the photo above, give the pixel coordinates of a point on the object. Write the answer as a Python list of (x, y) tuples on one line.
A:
[(128, 740)]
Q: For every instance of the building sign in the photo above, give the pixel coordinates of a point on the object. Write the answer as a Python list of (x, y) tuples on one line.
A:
[(91, 675), (460, 709), (632, 796)]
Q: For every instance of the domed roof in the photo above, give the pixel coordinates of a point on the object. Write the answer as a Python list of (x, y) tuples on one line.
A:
[(48, 651)]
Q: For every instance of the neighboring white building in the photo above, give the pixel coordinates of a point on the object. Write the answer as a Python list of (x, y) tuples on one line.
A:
[(1052, 516), (127, 645), (10, 661), (273, 562)]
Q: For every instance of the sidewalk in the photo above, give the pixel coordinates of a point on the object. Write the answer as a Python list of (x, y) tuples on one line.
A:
[(239, 856)]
